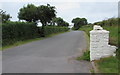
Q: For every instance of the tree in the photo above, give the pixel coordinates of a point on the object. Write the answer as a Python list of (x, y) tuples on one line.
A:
[(66, 24), (42, 13), (45, 15), (5, 17), (78, 22), (84, 21), (59, 21), (28, 13)]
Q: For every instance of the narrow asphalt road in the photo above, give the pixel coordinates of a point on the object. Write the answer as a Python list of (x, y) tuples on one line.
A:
[(51, 55)]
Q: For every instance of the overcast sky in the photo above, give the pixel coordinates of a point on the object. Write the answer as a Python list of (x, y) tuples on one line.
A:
[(93, 11)]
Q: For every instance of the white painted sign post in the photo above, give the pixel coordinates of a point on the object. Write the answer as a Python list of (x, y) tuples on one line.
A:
[(99, 46)]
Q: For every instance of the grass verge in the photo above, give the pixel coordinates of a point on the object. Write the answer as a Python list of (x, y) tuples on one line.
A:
[(113, 34), (110, 64), (86, 29), (28, 41), (20, 43), (85, 56)]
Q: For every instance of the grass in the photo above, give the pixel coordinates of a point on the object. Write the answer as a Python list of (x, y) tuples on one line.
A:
[(113, 34), (85, 56), (110, 64), (86, 28), (20, 43), (87, 40), (28, 41)]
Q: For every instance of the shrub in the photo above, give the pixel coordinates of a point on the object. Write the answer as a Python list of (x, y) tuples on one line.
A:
[(18, 31), (108, 22), (54, 29)]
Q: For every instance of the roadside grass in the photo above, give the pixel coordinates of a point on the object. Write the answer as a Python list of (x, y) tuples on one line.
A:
[(85, 56), (110, 64), (86, 28), (20, 43), (86, 52), (113, 34), (28, 41)]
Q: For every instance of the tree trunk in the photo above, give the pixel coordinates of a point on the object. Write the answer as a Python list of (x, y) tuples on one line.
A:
[(43, 31)]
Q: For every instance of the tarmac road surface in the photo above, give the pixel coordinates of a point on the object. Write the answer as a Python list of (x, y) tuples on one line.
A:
[(50, 55)]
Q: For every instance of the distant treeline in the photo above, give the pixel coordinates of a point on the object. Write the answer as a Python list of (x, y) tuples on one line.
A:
[(19, 31)]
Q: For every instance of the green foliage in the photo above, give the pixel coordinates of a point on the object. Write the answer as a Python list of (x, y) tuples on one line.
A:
[(54, 29), (28, 13), (108, 22), (118, 57), (13, 32), (113, 40), (78, 22), (85, 56), (59, 21), (108, 65), (18, 31), (17, 43), (42, 13), (86, 28), (5, 17), (46, 13)]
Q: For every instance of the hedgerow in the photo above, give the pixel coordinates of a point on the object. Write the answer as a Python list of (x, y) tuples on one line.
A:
[(19, 31), (54, 29), (108, 22)]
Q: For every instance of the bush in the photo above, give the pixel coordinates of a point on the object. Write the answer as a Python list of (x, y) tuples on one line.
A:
[(18, 31), (108, 22), (54, 29)]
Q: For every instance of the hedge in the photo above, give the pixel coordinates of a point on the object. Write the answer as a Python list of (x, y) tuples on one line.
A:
[(108, 22), (54, 29), (19, 31)]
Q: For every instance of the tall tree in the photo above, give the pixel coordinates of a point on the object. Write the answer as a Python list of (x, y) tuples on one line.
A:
[(5, 17), (45, 15), (28, 13), (42, 13)]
